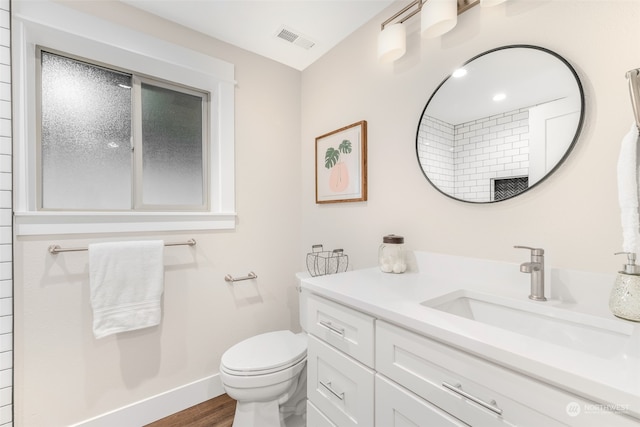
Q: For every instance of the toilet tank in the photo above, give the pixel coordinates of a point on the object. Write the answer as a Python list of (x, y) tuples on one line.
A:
[(302, 298)]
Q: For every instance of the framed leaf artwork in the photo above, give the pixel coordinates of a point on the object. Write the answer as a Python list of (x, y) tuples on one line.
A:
[(341, 165)]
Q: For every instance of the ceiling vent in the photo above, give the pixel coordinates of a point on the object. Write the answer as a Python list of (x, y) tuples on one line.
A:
[(294, 37)]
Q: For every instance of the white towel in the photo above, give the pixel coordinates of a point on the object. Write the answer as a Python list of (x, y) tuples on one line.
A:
[(628, 191), (126, 281)]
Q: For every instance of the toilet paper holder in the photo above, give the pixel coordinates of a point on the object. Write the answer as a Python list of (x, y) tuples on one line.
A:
[(230, 278)]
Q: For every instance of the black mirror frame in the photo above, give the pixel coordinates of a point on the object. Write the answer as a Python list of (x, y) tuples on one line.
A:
[(557, 165)]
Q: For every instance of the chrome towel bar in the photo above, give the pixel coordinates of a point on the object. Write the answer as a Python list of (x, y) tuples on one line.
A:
[(56, 249)]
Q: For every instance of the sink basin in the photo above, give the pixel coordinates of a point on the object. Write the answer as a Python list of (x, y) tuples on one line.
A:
[(597, 336)]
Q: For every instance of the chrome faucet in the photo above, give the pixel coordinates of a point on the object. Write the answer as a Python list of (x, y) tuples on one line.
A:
[(536, 268)]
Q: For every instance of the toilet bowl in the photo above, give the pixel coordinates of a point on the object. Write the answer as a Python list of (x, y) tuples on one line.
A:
[(266, 375)]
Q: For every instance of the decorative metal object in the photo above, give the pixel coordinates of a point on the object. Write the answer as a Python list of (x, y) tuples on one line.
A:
[(321, 262)]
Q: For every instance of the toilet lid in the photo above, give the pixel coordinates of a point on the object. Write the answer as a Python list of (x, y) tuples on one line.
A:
[(265, 353)]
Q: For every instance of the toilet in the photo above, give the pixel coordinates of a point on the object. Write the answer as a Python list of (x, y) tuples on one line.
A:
[(267, 375)]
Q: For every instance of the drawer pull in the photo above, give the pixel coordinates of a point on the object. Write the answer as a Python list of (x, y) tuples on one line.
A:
[(458, 390), (331, 390), (335, 330)]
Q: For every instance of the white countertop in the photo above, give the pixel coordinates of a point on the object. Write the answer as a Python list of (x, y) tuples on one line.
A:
[(396, 298)]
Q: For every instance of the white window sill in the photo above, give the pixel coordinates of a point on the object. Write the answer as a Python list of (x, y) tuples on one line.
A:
[(40, 223)]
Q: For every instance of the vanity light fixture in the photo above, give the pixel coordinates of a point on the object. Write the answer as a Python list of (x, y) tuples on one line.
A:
[(392, 42), (436, 18)]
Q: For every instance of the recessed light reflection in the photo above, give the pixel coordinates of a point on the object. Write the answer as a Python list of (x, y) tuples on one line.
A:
[(460, 72), (499, 97), (124, 86), (113, 145)]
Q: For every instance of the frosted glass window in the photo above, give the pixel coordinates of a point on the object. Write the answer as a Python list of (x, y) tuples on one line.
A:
[(112, 140), (105, 45), (85, 135), (172, 133)]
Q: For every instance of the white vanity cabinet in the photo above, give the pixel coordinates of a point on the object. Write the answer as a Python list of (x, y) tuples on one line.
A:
[(396, 406), (364, 371), (476, 392), (479, 392), (315, 418), (340, 381)]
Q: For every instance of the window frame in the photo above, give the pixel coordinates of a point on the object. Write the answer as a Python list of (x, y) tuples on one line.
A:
[(137, 80), (138, 202), (62, 29)]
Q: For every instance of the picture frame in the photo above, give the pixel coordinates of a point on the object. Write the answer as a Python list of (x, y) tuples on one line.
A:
[(341, 165)]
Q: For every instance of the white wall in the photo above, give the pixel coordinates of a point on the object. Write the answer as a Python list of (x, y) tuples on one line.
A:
[(62, 374), (574, 215)]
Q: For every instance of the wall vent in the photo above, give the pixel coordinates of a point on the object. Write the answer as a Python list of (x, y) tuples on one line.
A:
[(294, 37)]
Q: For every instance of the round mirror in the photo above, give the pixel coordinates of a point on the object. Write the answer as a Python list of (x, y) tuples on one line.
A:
[(500, 124)]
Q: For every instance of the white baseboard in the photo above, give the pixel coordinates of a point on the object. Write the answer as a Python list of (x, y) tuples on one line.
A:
[(156, 407)]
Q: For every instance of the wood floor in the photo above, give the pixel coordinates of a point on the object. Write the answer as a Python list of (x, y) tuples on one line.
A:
[(216, 412)]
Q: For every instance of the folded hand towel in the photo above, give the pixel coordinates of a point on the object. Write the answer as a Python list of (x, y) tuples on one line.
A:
[(628, 191), (126, 281)]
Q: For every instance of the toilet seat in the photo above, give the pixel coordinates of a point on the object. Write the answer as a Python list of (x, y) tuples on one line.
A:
[(264, 354)]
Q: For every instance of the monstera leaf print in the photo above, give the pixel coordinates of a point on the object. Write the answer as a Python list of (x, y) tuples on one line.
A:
[(339, 177)]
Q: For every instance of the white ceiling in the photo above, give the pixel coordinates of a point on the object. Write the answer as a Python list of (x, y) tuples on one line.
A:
[(254, 25)]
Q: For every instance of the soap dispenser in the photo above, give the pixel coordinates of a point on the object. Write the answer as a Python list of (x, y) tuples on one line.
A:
[(624, 301)]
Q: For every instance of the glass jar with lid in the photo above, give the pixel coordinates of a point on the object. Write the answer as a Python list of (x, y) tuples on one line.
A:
[(391, 254)]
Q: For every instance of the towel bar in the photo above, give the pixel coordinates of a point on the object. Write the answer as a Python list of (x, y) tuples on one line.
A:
[(56, 249), (230, 278)]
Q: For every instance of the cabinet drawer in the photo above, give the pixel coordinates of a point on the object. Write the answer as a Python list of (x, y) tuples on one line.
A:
[(315, 418), (347, 330), (462, 384), (395, 406), (338, 386)]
